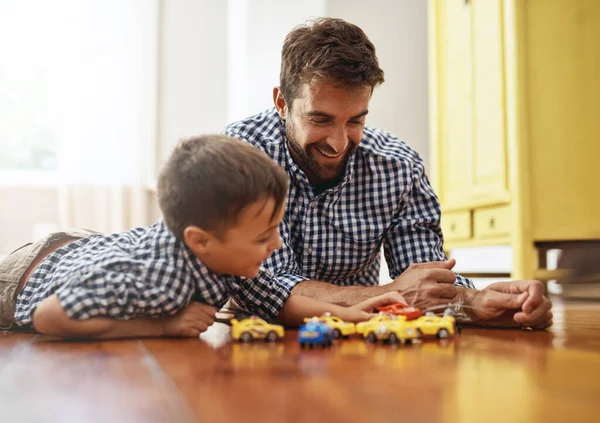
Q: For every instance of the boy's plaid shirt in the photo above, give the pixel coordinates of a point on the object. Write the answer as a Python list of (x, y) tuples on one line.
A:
[(335, 236), (144, 272)]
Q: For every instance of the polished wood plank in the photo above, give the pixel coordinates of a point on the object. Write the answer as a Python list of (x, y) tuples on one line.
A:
[(481, 375)]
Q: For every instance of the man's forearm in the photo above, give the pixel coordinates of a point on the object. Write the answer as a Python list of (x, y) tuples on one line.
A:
[(341, 295)]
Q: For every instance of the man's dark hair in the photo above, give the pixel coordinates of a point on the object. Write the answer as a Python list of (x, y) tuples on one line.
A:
[(327, 49), (208, 180)]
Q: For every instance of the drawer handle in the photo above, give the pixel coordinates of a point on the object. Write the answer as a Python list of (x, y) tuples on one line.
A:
[(453, 227), (492, 223)]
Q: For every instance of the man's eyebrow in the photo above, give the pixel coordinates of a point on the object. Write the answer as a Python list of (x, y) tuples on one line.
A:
[(318, 113)]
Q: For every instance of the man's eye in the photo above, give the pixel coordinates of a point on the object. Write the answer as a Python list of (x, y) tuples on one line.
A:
[(355, 122), (319, 121)]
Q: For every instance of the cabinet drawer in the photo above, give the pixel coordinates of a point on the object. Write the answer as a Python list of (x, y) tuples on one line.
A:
[(456, 225), (490, 222)]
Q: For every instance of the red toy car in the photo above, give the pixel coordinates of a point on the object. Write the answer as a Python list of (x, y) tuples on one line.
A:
[(401, 309)]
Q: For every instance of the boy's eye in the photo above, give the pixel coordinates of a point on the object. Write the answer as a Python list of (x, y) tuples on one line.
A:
[(264, 240)]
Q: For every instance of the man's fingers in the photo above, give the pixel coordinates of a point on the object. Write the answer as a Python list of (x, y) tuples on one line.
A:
[(442, 275), (536, 296), (502, 300), (536, 317), (448, 264)]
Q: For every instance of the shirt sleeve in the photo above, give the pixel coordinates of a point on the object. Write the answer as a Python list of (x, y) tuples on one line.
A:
[(266, 294), (415, 235), (119, 295)]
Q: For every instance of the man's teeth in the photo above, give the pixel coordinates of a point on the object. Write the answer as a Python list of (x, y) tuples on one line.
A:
[(327, 154)]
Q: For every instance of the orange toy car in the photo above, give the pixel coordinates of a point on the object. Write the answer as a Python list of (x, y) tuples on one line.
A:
[(401, 309)]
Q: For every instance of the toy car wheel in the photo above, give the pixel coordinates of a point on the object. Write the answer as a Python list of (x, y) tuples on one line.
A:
[(443, 334), (337, 334), (272, 336), (419, 333), (246, 337), (371, 337), (394, 339)]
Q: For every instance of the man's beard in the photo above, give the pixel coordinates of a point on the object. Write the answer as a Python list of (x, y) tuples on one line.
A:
[(316, 172)]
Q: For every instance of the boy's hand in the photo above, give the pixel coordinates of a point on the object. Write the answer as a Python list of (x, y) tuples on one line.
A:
[(189, 322), (367, 308)]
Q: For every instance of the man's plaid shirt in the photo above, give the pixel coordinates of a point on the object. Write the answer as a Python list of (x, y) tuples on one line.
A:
[(144, 272), (335, 236)]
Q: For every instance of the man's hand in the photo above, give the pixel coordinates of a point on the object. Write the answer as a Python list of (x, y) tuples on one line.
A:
[(427, 284), (367, 308), (189, 322), (515, 303)]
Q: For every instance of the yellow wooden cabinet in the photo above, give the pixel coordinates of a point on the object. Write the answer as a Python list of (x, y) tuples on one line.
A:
[(515, 123)]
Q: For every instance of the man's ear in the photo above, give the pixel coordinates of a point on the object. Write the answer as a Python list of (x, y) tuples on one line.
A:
[(197, 239), (279, 102)]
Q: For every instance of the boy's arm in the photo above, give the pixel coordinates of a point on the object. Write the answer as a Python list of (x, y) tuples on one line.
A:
[(297, 307), (51, 319)]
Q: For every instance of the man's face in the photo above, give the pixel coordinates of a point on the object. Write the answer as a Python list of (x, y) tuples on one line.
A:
[(324, 126)]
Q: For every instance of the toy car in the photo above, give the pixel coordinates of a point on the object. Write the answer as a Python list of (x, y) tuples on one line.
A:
[(252, 328), (386, 328), (340, 328), (432, 325), (401, 309), (314, 333)]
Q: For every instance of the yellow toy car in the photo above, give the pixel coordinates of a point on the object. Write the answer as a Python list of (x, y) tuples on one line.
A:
[(255, 328), (340, 328), (431, 325), (387, 328)]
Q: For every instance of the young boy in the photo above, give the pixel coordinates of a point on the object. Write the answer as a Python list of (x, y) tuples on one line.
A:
[(222, 202)]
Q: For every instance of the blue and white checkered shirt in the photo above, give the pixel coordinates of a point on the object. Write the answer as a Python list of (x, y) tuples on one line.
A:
[(335, 236), (144, 272)]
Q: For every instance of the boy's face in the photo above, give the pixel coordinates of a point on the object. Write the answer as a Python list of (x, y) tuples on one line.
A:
[(243, 248)]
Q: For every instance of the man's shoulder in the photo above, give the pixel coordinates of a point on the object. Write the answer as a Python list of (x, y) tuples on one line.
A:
[(259, 130), (380, 147)]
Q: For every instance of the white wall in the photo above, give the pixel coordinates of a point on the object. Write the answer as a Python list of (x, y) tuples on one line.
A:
[(257, 29), (398, 29), (193, 70)]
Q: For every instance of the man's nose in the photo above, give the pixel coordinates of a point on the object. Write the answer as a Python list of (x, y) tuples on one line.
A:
[(338, 139)]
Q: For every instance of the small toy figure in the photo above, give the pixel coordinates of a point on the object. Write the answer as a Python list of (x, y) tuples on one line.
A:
[(340, 328), (315, 333), (253, 328), (385, 327), (401, 309)]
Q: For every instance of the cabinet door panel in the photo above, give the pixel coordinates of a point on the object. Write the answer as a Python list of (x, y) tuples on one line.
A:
[(455, 105), (489, 135)]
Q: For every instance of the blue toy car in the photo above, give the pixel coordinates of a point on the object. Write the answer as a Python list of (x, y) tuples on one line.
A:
[(315, 333)]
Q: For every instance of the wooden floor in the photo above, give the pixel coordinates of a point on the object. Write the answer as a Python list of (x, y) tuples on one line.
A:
[(483, 375)]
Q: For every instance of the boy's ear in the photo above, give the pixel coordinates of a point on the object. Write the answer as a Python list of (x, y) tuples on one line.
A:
[(196, 238), (279, 102)]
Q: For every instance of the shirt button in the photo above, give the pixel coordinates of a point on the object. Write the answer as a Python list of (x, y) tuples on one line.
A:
[(309, 251)]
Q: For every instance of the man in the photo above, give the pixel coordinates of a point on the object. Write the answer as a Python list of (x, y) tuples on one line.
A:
[(355, 188)]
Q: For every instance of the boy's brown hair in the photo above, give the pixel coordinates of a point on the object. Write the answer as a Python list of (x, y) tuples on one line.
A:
[(327, 49), (208, 180)]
